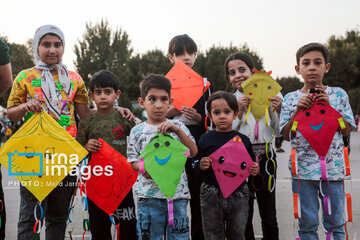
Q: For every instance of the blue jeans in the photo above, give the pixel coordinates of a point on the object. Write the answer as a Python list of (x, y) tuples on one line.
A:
[(309, 202), (224, 217), (55, 207), (153, 220)]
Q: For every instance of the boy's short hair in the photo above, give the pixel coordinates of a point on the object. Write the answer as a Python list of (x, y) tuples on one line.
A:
[(181, 43), (104, 79), (239, 56), (156, 81), (312, 47), (229, 98)]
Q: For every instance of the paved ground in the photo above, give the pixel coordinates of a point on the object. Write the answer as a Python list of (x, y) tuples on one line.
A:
[(283, 193)]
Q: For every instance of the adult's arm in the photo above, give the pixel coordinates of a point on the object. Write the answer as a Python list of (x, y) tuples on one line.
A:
[(5, 78)]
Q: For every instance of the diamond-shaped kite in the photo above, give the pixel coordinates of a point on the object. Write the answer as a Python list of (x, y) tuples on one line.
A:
[(164, 159), (187, 85), (231, 164), (318, 125), (260, 87), (41, 154), (108, 190)]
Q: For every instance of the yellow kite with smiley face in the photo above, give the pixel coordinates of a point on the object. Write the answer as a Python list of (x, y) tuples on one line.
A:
[(260, 88)]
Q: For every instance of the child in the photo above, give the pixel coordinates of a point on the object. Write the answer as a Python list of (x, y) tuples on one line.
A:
[(51, 87), (183, 48), (238, 68), (152, 204), (312, 63), (46, 86), (222, 217), (105, 124)]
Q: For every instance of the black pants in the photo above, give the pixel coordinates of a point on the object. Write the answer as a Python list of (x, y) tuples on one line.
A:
[(194, 181), (100, 224), (2, 209), (266, 201), (278, 141)]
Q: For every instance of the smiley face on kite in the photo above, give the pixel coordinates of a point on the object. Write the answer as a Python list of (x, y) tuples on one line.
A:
[(229, 173), (231, 164), (164, 159), (318, 107), (318, 125), (157, 143), (260, 88)]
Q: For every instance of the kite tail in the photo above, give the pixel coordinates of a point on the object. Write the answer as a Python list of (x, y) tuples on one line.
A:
[(171, 211)]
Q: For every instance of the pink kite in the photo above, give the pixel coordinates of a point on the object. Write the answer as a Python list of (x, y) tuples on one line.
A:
[(108, 190), (231, 164)]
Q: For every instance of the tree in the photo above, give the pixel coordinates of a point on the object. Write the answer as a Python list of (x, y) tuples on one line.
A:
[(104, 49), (289, 84), (345, 65), (211, 64), (153, 61), (20, 60)]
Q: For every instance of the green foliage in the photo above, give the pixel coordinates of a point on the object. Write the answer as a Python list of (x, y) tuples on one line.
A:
[(345, 65), (104, 49), (154, 61), (20, 60), (211, 64), (289, 84)]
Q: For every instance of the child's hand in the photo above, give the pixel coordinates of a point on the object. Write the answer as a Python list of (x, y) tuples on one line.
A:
[(125, 113), (32, 106), (276, 102), (168, 127), (191, 114), (243, 103), (254, 169), (205, 163), (93, 145), (322, 96), (146, 175), (305, 101), (172, 112)]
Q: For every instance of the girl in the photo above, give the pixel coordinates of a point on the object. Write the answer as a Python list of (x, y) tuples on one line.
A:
[(51, 87), (238, 68), (221, 217)]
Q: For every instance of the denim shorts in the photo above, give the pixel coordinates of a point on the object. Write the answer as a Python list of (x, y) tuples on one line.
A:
[(153, 220)]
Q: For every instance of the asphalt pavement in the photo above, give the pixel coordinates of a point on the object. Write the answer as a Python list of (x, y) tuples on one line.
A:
[(283, 193)]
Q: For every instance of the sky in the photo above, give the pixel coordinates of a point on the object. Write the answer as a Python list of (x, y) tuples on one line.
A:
[(274, 29)]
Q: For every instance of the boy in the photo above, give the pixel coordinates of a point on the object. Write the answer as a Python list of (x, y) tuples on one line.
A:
[(312, 63), (152, 204), (107, 124), (183, 48)]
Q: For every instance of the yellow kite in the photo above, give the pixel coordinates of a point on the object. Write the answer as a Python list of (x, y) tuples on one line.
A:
[(41, 154), (260, 87)]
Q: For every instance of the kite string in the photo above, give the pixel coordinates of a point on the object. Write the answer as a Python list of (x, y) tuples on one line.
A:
[(38, 220), (116, 233)]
